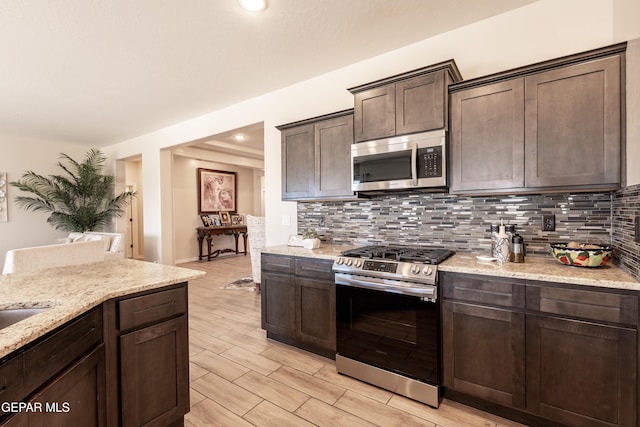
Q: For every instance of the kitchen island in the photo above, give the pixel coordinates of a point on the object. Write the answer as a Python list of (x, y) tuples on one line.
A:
[(109, 348)]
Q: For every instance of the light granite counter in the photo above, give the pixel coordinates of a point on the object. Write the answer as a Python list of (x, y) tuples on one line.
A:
[(71, 291), (543, 268), (325, 251)]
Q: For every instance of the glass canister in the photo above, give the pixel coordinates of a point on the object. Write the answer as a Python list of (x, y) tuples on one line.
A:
[(518, 248)]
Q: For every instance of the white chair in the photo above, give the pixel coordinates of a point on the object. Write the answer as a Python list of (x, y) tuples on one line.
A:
[(256, 232), (26, 260)]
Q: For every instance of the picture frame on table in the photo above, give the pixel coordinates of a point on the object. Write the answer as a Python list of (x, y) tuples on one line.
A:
[(217, 191), (215, 220), (237, 219), (225, 218), (206, 221)]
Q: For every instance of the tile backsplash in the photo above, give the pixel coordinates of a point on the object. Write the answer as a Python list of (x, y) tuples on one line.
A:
[(462, 222), (626, 252)]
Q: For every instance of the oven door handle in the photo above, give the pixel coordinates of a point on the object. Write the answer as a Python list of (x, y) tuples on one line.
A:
[(414, 163), (386, 286)]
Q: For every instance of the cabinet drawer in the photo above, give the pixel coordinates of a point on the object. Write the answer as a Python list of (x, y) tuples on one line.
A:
[(279, 263), (481, 289), (152, 308), (585, 304), (316, 268), (53, 354), (11, 381)]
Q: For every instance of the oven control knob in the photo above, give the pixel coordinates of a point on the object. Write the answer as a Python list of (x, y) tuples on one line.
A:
[(428, 271), (339, 261), (358, 263), (415, 269), (349, 262)]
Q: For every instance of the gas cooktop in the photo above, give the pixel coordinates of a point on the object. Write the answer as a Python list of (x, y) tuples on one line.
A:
[(418, 254)]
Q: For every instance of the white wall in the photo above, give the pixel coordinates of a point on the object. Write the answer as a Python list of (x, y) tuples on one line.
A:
[(24, 229), (539, 31), (185, 200)]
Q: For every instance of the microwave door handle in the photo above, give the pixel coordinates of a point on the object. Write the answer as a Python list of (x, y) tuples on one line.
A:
[(414, 163)]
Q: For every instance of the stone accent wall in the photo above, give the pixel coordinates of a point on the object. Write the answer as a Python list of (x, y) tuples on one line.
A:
[(461, 223)]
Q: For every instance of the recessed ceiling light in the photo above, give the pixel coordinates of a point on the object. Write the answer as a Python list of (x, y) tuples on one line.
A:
[(239, 137), (253, 5)]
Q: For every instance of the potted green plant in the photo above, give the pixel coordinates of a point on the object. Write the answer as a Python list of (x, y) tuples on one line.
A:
[(81, 199), (311, 239)]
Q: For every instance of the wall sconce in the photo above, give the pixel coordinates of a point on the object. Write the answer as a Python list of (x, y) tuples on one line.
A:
[(3, 197)]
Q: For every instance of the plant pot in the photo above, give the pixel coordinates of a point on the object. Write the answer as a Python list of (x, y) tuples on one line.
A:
[(311, 243)]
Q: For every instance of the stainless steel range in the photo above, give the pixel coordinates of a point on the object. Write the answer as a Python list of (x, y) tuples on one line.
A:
[(388, 318)]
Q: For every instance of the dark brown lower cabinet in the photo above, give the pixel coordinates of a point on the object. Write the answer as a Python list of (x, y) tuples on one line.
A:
[(567, 356), (315, 322), (76, 398), (581, 373), (278, 298), (484, 352), (298, 302), (61, 376), (155, 374)]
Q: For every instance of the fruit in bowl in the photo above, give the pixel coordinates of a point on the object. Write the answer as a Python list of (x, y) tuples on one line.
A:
[(581, 254)]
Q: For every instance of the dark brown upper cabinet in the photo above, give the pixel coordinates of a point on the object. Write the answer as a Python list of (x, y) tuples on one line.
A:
[(406, 103), (316, 157), (551, 126)]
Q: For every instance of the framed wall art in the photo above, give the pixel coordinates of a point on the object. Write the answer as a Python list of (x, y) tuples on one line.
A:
[(216, 191)]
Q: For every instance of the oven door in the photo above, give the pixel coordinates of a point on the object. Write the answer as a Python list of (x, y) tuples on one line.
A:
[(394, 332)]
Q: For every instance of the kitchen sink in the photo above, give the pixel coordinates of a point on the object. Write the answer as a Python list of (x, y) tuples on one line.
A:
[(13, 315)]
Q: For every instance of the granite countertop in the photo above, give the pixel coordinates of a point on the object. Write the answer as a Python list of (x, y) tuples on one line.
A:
[(325, 251), (543, 268), (71, 291)]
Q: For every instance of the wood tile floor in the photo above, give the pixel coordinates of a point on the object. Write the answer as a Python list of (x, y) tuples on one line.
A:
[(239, 378)]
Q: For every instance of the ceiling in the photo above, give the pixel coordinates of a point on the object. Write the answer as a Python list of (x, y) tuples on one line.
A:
[(98, 72)]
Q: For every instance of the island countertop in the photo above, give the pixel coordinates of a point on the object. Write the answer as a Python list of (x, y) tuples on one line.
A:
[(71, 291), (541, 268)]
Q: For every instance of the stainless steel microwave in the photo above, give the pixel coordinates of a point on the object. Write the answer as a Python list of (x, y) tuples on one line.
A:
[(402, 162)]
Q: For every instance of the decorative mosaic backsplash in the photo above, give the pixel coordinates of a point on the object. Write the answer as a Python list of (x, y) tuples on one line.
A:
[(460, 222), (626, 205)]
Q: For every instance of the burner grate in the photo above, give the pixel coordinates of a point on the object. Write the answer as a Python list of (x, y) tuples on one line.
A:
[(401, 253)]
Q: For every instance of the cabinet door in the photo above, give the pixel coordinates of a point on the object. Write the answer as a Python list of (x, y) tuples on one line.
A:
[(581, 373), (75, 398), (483, 352), (298, 162), (420, 103), (374, 113), (316, 313), (333, 139), (278, 301), (155, 374), (487, 137), (573, 125)]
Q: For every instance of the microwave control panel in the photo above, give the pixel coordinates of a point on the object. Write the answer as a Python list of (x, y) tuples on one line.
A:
[(430, 161)]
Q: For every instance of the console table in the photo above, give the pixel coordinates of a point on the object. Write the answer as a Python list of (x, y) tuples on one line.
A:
[(209, 232)]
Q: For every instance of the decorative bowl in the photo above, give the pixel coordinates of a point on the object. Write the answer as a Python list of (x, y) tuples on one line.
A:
[(581, 255)]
